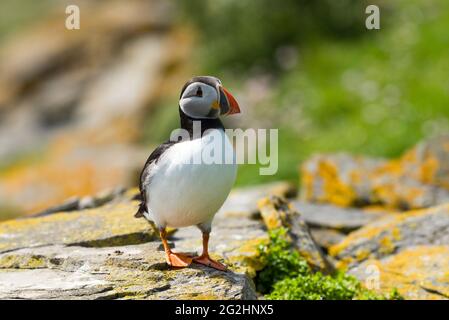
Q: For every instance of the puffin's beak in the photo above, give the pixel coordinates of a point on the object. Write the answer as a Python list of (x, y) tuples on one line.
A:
[(228, 104)]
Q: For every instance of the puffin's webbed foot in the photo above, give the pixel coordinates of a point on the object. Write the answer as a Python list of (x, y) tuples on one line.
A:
[(178, 259), (173, 259), (207, 261)]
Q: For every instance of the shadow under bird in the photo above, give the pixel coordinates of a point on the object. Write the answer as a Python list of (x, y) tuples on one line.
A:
[(177, 192)]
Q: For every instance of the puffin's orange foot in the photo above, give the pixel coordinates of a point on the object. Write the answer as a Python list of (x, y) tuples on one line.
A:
[(207, 261), (178, 260)]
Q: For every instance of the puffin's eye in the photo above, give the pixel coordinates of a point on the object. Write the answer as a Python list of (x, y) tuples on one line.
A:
[(199, 92)]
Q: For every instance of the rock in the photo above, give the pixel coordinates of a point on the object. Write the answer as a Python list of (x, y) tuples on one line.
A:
[(333, 217), (338, 179), (69, 169), (418, 179), (125, 272), (278, 212), (419, 272), (428, 162), (81, 203), (105, 226), (244, 200), (105, 253), (326, 238), (394, 234)]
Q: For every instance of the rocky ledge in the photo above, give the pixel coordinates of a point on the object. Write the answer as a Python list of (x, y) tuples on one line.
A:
[(105, 253), (93, 247)]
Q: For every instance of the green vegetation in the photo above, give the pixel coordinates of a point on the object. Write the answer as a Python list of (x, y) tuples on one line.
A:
[(237, 35), (287, 276), (17, 14), (347, 89)]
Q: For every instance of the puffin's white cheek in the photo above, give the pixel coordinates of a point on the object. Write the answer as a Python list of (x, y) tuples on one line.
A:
[(195, 107)]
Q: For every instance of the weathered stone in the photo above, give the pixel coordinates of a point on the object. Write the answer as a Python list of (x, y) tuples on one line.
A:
[(428, 162), (69, 169), (339, 179), (234, 238), (81, 203), (418, 179), (105, 253), (326, 238), (126, 272), (105, 226), (393, 234), (328, 216), (420, 272), (244, 200), (278, 212)]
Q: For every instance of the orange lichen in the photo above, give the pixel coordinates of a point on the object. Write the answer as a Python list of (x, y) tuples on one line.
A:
[(355, 176), (386, 245), (393, 168), (335, 190), (396, 233), (56, 177), (387, 230), (306, 185), (414, 269), (362, 254), (428, 170)]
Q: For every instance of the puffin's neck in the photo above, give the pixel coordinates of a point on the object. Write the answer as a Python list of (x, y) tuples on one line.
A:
[(187, 123)]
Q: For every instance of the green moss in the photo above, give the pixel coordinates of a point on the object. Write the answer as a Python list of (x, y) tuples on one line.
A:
[(288, 276), (280, 261), (370, 295)]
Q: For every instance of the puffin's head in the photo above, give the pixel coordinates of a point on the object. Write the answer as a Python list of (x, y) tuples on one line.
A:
[(205, 97)]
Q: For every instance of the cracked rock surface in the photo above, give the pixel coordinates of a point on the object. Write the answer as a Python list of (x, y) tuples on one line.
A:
[(105, 253)]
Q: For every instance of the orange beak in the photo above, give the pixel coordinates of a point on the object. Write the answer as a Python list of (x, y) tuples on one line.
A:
[(230, 106)]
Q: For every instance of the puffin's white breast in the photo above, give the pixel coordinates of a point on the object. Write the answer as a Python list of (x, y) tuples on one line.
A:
[(182, 193)]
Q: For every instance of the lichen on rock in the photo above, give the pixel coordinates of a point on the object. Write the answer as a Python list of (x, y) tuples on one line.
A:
[(105, 253), (126, 272), (418, 179), (109, 225), (420, 272), (393, 234)]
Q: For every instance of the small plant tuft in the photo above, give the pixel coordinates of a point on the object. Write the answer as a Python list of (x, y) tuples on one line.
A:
[(287, 276)]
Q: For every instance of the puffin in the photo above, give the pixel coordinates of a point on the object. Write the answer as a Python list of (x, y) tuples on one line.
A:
[(178, 192)]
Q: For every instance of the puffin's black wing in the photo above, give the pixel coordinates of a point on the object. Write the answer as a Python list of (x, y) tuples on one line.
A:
[(145, 176)]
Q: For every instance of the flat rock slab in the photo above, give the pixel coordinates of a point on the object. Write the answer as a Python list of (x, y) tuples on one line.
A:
[(104, 226), (106, 253), (334, 217), (125, 272), (392, 234), (419, 272)]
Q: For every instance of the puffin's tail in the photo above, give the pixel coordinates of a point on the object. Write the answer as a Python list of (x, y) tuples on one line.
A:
[(140, 212)]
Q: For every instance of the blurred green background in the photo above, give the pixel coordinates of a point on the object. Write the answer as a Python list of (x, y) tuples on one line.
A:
[(333, 85), (308, 68)]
